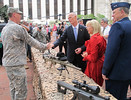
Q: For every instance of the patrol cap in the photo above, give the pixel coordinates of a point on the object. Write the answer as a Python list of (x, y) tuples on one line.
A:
[(120, 4), (12, 10)]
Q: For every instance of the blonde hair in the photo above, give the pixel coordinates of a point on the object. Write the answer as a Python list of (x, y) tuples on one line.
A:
[(95, 25)]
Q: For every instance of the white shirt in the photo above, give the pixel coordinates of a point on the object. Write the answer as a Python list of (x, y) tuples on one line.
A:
[(77, 26), (107, 29)]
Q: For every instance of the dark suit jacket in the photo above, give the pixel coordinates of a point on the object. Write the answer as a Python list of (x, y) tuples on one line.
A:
[(72, 44), (117, 64)]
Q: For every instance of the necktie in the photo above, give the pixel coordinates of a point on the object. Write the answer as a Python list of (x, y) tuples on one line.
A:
[(75, 33)]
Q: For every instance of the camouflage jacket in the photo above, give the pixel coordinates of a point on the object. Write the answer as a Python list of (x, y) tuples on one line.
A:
[(14, 38), (40, 36)]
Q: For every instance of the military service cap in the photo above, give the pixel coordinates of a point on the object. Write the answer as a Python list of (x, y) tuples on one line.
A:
[(120, 4), (12, 10)]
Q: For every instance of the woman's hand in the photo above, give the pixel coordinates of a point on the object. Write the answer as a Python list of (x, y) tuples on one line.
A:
[(84, 54)]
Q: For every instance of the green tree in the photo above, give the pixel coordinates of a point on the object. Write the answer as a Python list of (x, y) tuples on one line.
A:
[(3, 13), (91, 16)]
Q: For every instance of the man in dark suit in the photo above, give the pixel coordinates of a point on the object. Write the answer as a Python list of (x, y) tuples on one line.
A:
[(117, 69), (76, 36)]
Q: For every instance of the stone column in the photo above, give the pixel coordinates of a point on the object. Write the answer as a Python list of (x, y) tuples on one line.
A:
[(59, 8), (43, 9), (75, 6), (16, 3), (51, 4), (67, 8), (34, 10), (25, 10), (6, 2), (82, 7), (89, 6)]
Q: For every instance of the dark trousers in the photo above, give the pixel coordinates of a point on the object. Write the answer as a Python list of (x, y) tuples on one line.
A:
[(29, 52), (118, 88), (79, 63), (49, 36), (1, 55), (65, 47)]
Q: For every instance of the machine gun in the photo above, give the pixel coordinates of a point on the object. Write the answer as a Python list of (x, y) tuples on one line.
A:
[(3, 13), (81, 91)]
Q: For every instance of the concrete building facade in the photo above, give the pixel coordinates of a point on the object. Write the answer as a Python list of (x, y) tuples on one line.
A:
[(58, 9), (103, 7)]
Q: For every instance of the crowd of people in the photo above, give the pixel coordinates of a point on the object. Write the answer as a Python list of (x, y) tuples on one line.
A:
[(100, 50)]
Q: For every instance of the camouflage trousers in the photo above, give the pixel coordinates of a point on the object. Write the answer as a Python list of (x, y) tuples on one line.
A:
[(18, 82)]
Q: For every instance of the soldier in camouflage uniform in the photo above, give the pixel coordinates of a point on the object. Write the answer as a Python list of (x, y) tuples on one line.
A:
[(14, 37), (40, 34)]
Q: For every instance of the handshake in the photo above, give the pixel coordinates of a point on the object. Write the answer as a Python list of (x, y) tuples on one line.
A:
[(50, 45)]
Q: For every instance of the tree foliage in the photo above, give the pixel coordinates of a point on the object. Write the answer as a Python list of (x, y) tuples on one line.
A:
[(3, 13), (91, 16)]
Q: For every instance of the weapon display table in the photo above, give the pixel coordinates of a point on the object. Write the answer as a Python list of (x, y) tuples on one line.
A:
[(47, 74)]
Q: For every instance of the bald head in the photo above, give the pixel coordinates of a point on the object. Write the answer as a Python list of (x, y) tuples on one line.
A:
[(72, 14), (72, 17)]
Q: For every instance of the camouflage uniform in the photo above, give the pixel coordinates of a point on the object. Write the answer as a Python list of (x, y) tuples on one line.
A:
[(14, 38), (18, 82), (40, 35)]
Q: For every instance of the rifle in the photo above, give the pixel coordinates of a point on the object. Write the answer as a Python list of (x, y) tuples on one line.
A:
[(81, 91), (55, 59)]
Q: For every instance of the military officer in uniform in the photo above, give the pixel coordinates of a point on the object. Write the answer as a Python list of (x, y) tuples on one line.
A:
[(14, 37), (117, 69)]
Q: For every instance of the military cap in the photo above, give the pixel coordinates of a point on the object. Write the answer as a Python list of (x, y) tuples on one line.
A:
[(120, 4), (12, 10)]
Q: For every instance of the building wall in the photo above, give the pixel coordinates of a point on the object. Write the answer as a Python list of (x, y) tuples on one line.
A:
[(103, 7), (51, 9)]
